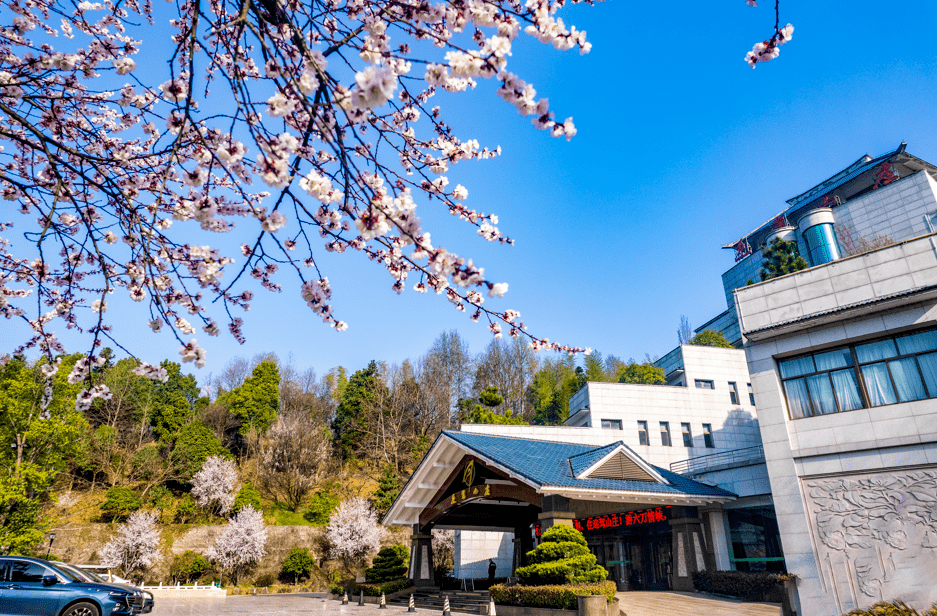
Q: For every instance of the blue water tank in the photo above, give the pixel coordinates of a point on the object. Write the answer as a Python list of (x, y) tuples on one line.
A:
[(817, 232)]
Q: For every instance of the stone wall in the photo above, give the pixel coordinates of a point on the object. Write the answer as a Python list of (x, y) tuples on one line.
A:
[(82, 543)]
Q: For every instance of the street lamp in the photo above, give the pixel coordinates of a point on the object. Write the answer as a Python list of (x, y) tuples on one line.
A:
[(51, 539)]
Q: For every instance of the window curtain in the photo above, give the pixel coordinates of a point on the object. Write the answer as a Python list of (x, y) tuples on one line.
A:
[(847, 389), (918, 343), (839, 358), (797, 400), (876, 351), (821, 394), (907, 380), (796, 367), (928, 365), (878, 384)]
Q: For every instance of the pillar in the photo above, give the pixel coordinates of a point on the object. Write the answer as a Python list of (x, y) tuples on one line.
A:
[(556, 510), (523, 543), (721, 539), (421, 557), (690, 553)]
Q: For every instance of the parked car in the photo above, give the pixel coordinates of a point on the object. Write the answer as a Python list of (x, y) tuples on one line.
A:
[(93, 577), (34, 587)]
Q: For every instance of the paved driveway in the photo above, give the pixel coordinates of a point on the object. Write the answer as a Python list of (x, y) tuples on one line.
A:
[(273, 605), (666, 603)]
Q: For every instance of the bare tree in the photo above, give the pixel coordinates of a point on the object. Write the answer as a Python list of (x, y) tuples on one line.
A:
[(291, 456), (852, 243), (684, 331), (510, 366), (446, 373)]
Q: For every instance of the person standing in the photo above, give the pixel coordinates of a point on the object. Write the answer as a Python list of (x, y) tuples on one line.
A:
[(492, 567)]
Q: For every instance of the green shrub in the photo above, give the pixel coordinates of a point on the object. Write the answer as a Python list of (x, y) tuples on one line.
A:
[(185, 511), (375, 590), (247, 495), (298, 563), (895, 608), (267, 579), (321, 507), (120, 503), (389, 564), (563, 557), (195, 444), (557, 597), (188, 566), (160, 496), (752, 586)]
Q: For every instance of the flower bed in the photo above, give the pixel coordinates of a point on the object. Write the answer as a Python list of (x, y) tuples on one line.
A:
[(558, 597)]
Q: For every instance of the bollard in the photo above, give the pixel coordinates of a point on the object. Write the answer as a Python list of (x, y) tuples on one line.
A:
[(383, 605), (361, 598), (491, 608), (445, 607), (412, 606), (345, 598)]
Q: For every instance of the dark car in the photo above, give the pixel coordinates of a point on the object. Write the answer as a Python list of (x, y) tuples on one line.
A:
[(91, 576), (34, 587)]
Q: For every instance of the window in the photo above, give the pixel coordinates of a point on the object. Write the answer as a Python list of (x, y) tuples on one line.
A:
[(733, 393), (708, 436), (687, 435), (642, 433), (701, 384), (897, 369), (25, 571), (751, 394), (665, 433), (611, 424)]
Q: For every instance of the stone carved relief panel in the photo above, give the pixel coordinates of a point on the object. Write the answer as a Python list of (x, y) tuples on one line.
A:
[(875, 535)]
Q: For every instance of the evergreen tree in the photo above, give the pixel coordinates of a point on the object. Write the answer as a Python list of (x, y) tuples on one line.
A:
[(175, 402), (550, 391), (389, 565), (195, 444), (646, 374), (563, 557), (358, 398), (320, 508), (781, 258), (709, 337), (298, 563), (255, 403), (247, 495), (388, 488)]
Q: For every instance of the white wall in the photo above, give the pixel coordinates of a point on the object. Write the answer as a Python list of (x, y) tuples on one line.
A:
[(473, 549)]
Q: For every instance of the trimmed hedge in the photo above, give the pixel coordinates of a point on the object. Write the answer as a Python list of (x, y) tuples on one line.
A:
[(373, 590), (751, 586), (558, 597), (895, 608)]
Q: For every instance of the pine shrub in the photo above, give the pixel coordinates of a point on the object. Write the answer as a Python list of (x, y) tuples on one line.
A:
[(563, 557), (298, 563), (389, 564)]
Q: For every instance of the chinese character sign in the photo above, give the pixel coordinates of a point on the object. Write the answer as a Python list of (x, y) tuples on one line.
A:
[(742, 249), (779, 222), (620, 520), (831, 200), (885, 175)]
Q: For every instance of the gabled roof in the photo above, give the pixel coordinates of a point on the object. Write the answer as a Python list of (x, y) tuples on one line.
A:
[(546, 466), (614, 461)]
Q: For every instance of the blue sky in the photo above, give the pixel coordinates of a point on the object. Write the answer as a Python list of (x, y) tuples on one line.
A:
[(681, 148)]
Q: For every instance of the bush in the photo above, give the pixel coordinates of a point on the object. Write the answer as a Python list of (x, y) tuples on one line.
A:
[(389, 564), (267, 579), (375, 590), (563, 557), (751, 586), (120, 503), (895, 608), (195, 444), (247, 495), (188, 566), (320, 508), (557, 597), (709, 337), (298, 563), (185, 511)]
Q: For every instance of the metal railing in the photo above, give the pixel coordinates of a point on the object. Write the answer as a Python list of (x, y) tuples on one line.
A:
[(725, 459)]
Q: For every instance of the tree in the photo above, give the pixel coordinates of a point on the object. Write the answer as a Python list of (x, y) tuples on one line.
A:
[(484, 413), (247, 495), (563, 557), (684, 331), (321, 506), (240, 544), (291, 457), (552, 387), (120, 503), (646, 374), (712, 338), (215, 485), (353, 532), (389, 565), (136, 547), (298, 563), (387, 490), (443, 542), (188, 566), (358, 400), (195, 444), (256, 401), (510, 366), (781, 258)]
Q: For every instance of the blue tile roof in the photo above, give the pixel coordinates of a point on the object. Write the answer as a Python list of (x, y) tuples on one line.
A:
[(582, 461), (547, 463)]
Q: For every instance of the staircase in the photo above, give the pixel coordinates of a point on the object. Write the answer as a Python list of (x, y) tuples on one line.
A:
[(459, 601)]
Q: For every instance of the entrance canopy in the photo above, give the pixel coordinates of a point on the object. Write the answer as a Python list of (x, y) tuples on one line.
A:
[(471, 481)]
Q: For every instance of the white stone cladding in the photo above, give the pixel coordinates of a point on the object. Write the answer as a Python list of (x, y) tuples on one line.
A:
[(820, 467), (896, 210), (473, 549)]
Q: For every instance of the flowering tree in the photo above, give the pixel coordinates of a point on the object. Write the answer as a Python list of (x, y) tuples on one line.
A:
[(135, 548), (271, 121), (354, 532), (291, 456), (216, 485), (241, 544)]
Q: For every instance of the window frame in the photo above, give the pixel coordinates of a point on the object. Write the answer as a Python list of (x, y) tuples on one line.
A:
[(856, 368), (665, 430), (708, 439), (712, 384), (751, 394), (687, 431), (734, 393), (611, 422), (643, 433)]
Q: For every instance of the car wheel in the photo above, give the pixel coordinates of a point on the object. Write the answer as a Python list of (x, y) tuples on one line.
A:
[(82, 609)]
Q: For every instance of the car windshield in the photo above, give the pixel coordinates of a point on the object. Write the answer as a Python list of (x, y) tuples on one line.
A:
[(83, 576), (67, 573)]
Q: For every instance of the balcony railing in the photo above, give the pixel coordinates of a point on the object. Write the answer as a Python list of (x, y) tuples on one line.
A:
[(715, 461)]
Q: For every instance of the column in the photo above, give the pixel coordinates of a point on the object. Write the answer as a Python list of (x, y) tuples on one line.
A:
[(690, 552), (721, 539), (421, 557), (556, 510)]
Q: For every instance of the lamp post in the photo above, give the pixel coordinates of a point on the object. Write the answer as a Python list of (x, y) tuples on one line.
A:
[(51, 539)]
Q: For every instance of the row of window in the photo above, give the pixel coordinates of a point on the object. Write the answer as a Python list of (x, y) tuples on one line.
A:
[(733, 390), (665, 440), (898, 369)]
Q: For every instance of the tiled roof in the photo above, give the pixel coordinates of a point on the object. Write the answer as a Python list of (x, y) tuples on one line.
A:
[(547, 463), (584, 460)]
